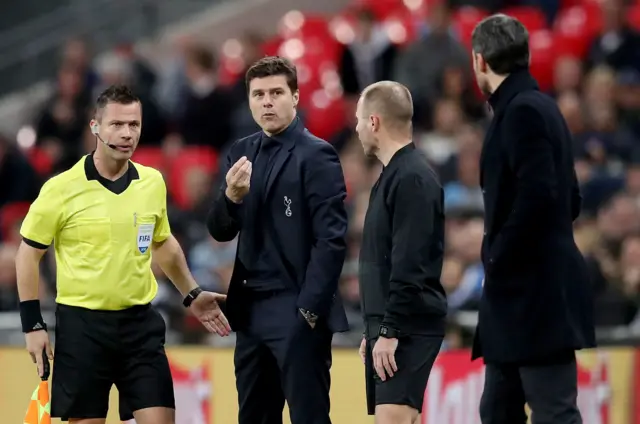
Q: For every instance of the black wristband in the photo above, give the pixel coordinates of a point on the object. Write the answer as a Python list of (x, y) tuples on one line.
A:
[(31, 316), (191, 296)]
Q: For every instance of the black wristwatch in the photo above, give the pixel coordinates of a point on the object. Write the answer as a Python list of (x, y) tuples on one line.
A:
[(191, 296), (388, 332)]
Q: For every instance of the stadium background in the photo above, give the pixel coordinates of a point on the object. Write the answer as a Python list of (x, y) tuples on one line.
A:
[(186, 60)]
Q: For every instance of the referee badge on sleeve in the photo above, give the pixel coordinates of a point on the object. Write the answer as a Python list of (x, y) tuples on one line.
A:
[(145, 235)]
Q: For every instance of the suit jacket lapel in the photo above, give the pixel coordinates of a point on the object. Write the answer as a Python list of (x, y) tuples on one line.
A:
[(253, 150), (281, 158)]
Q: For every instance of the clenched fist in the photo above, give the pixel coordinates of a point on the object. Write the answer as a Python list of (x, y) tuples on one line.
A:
[(238, 180)]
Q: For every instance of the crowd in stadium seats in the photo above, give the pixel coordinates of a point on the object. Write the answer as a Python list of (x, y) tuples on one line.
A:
[(585, 53)]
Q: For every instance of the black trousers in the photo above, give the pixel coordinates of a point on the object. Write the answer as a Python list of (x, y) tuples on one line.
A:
[(550, 389), (279, 356)]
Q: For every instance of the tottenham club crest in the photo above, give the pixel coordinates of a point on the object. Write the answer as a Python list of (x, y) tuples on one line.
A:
[(287, 204)]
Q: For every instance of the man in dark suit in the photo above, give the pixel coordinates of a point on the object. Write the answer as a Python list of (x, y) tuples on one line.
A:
[(284, 193), (536, 309)]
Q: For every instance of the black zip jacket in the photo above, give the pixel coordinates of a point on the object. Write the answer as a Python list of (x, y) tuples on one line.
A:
[(402, 249)]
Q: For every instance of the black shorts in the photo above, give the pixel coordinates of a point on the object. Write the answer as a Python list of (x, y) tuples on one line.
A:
[(414, 357), (95, 349)]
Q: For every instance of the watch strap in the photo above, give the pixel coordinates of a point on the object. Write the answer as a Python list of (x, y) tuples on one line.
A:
[(388, 332), (191, 297)]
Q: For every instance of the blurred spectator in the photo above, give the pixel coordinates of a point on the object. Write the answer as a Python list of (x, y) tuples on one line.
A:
[(76, 54), (63, 119), (20, 181), (421, 65), (439, 143), (121, 68), (370, 57), (618, 45), (243, 123), (567, 75), (206, 120), (212, 264)]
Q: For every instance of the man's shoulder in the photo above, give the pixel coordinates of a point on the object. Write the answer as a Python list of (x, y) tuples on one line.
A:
[(246, 141), (149, 173), (534, 104), (416, 166), (64, 179), (418, 174), (314, 148)]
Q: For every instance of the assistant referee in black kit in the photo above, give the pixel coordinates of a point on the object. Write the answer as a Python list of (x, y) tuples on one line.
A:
[(403, 302), (105, 216)]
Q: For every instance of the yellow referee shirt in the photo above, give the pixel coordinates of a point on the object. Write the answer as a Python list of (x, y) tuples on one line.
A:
[(102, 233)]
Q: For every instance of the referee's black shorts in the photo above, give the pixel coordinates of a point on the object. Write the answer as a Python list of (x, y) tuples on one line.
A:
[(415, 356), (96, 349)]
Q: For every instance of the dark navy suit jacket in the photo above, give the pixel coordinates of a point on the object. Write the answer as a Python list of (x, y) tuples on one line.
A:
[(305, 193)]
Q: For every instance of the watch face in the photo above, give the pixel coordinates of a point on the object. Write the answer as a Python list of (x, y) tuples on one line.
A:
[(383, 331)]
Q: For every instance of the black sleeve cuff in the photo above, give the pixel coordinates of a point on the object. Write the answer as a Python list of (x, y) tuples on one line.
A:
[(231, 206), (34, 244)]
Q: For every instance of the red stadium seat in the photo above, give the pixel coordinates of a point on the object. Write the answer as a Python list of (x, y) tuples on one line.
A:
[(343, 27), (231, 62), (325, 115), (12, 214), (633, 16), (531, 17), (380, 8), (575, 28), (296, 24), (465, 20), (40, 161), (201, 157), (316, 62), (401, 27), (150, 156), (271, 46), (542, 58)]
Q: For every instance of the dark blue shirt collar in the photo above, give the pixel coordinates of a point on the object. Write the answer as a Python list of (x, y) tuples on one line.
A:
[(288, 135)]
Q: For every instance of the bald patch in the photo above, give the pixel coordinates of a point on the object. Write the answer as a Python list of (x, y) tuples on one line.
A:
[(391, 101)]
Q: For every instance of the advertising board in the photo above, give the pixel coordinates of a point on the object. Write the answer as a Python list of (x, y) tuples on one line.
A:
[(205, 387)]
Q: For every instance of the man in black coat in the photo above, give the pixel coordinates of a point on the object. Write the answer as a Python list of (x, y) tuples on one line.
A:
[(284, 195), (536, 309)]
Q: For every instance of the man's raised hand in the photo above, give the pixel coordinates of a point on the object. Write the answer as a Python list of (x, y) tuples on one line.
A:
[(238, 180)]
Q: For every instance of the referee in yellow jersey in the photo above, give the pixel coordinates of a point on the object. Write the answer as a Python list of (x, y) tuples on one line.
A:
[(105, 217)]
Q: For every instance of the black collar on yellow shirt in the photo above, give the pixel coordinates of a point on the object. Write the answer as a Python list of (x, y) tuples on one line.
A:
[(118, 186)]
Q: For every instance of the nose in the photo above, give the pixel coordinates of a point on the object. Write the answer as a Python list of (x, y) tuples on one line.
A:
[(126, 133), (268, 102)]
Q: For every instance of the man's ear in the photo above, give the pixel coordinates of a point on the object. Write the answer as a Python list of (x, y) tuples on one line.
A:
[(374, 121), (481, 63), (296, 98)]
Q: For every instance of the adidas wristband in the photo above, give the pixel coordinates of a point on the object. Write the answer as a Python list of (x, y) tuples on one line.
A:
[(31, 316)]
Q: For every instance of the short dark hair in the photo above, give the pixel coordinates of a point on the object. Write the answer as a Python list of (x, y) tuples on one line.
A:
[(120, 94), (503, 42), (273, 65)]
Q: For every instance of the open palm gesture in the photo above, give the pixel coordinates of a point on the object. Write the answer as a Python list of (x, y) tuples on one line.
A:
[(206, 308)]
